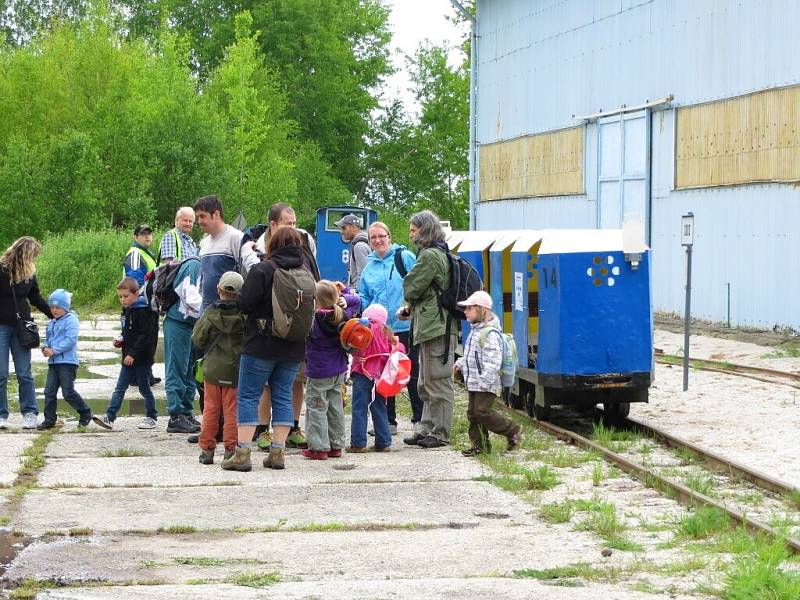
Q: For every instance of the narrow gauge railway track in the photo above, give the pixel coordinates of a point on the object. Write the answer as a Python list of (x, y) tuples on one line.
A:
[(682, 493), (757, 373)]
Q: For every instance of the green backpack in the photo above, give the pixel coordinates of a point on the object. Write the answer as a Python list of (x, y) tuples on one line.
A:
[(292, 303)]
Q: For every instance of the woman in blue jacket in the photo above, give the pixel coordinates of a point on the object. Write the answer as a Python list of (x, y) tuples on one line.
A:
[(382, 283)]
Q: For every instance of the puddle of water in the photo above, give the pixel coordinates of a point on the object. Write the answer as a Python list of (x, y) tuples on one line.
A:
[(10, 546)]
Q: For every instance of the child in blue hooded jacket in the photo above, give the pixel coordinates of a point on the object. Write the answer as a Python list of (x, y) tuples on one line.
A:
[(61, 349)]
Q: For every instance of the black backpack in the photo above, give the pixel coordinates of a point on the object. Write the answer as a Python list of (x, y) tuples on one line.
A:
[(159, 289), (249, 234), (464, 280)]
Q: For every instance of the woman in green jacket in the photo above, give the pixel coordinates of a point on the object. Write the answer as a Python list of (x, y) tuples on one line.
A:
[(432, 329)]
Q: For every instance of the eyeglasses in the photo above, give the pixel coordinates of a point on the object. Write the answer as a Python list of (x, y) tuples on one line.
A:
[(374, 238)]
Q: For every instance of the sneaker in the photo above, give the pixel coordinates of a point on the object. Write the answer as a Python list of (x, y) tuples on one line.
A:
[(45, 425), (356, 449), (193, 420), (207, 457), (3, 423), (315, 454), (84, 420), (155, 381), (335, 453), (431, 442), (296, 439), (274, 459), (29, 421), (103, 421), (514, 440), (147, 423), (193, 439), (414, 440), (393, 429), (239, 461), (179, 424), (264, 441), (474, 451)]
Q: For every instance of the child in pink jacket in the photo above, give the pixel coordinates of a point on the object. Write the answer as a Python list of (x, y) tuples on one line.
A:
[(367, 367)]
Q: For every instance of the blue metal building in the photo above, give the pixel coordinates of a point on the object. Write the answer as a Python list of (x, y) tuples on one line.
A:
[(589, 110)]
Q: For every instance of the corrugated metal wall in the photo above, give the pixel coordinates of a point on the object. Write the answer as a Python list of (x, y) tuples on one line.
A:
[(541, 62)]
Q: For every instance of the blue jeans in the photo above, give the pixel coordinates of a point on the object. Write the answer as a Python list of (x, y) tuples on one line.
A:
[(63, 375), (362, 397), (22, 369), (254, 373), (179, 381), (140, 373)]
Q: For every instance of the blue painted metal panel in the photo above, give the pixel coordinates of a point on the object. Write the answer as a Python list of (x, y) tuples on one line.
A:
[(332, 252), (525, 296), (594, 314)]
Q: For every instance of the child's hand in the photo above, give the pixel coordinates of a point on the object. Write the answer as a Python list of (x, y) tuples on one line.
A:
[(48, 352), (342, 302), (128, 361)]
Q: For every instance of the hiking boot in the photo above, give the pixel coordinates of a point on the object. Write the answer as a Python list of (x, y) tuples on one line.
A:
[(239, 461), (356, 449), (29, 421), (474, 451), (315, 454), (179, 424), (103, 421), (207, 457), (274, 459), (296, 439), (228, 453), (44, 425), (414, 440), (264, 441), (514, 440), (335, 453), (147, 423), (431, 441)]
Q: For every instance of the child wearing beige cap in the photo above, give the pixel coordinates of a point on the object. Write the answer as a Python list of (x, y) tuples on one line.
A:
[(480, 366), (219, 333)]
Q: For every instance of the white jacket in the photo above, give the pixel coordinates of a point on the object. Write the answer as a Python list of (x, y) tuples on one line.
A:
[(481, 365)]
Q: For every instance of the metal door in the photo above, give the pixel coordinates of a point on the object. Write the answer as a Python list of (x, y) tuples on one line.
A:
[(623, 169)]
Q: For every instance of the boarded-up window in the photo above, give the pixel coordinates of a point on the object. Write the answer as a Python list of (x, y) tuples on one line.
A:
[(546, 164), (741, 140)]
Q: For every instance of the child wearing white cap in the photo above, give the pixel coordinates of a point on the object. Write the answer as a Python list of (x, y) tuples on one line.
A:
[(480, 365), (61, 349)]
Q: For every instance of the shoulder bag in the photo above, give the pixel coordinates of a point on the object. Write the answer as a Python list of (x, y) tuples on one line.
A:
[(27, 330)]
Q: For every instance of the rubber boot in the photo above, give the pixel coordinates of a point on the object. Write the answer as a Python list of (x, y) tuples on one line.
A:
[(206, 457), (274, 459), (240, 461)]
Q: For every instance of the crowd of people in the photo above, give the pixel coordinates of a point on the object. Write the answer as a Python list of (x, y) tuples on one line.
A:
[(254, 329)]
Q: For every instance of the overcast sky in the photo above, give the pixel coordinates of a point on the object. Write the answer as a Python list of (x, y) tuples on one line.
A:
[(412, 22)]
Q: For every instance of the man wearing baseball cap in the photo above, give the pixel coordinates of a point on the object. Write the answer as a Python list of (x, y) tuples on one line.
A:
[(359, 246)]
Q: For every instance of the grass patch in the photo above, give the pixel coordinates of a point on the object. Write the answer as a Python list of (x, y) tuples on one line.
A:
[(686, 456), (563, 458), (254, 581), (177, 529), (757, 574), (122, 453), (29, 588), (793, 498), (543, 478), (612, 438), (575, 571), (597, 474), (618, 542), (78, 531), (700, 482), (605, 523), (703, 522), (5, 520), (559, 512)]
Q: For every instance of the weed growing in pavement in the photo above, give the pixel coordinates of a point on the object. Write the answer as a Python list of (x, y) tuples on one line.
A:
[(645, 449), (703, 522), (686, 456), (700, 483), (558, 512), (605, 523), (597, 474), (177, 529), (624, 544), (757, 574), (5, 520), (613, 439), (563, 458), (593, 504), (793, 498), (122, 453), (252, 580), (788, 351), (781, 521), (29, 588), (574, 571), (753, 498), (78, 531), (543, 478)]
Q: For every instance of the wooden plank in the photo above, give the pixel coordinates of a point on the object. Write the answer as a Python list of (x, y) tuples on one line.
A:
[(546, 164), (748, 139)]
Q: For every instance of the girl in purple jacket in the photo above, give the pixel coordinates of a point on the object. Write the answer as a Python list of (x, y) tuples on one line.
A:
[(326, 367)]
